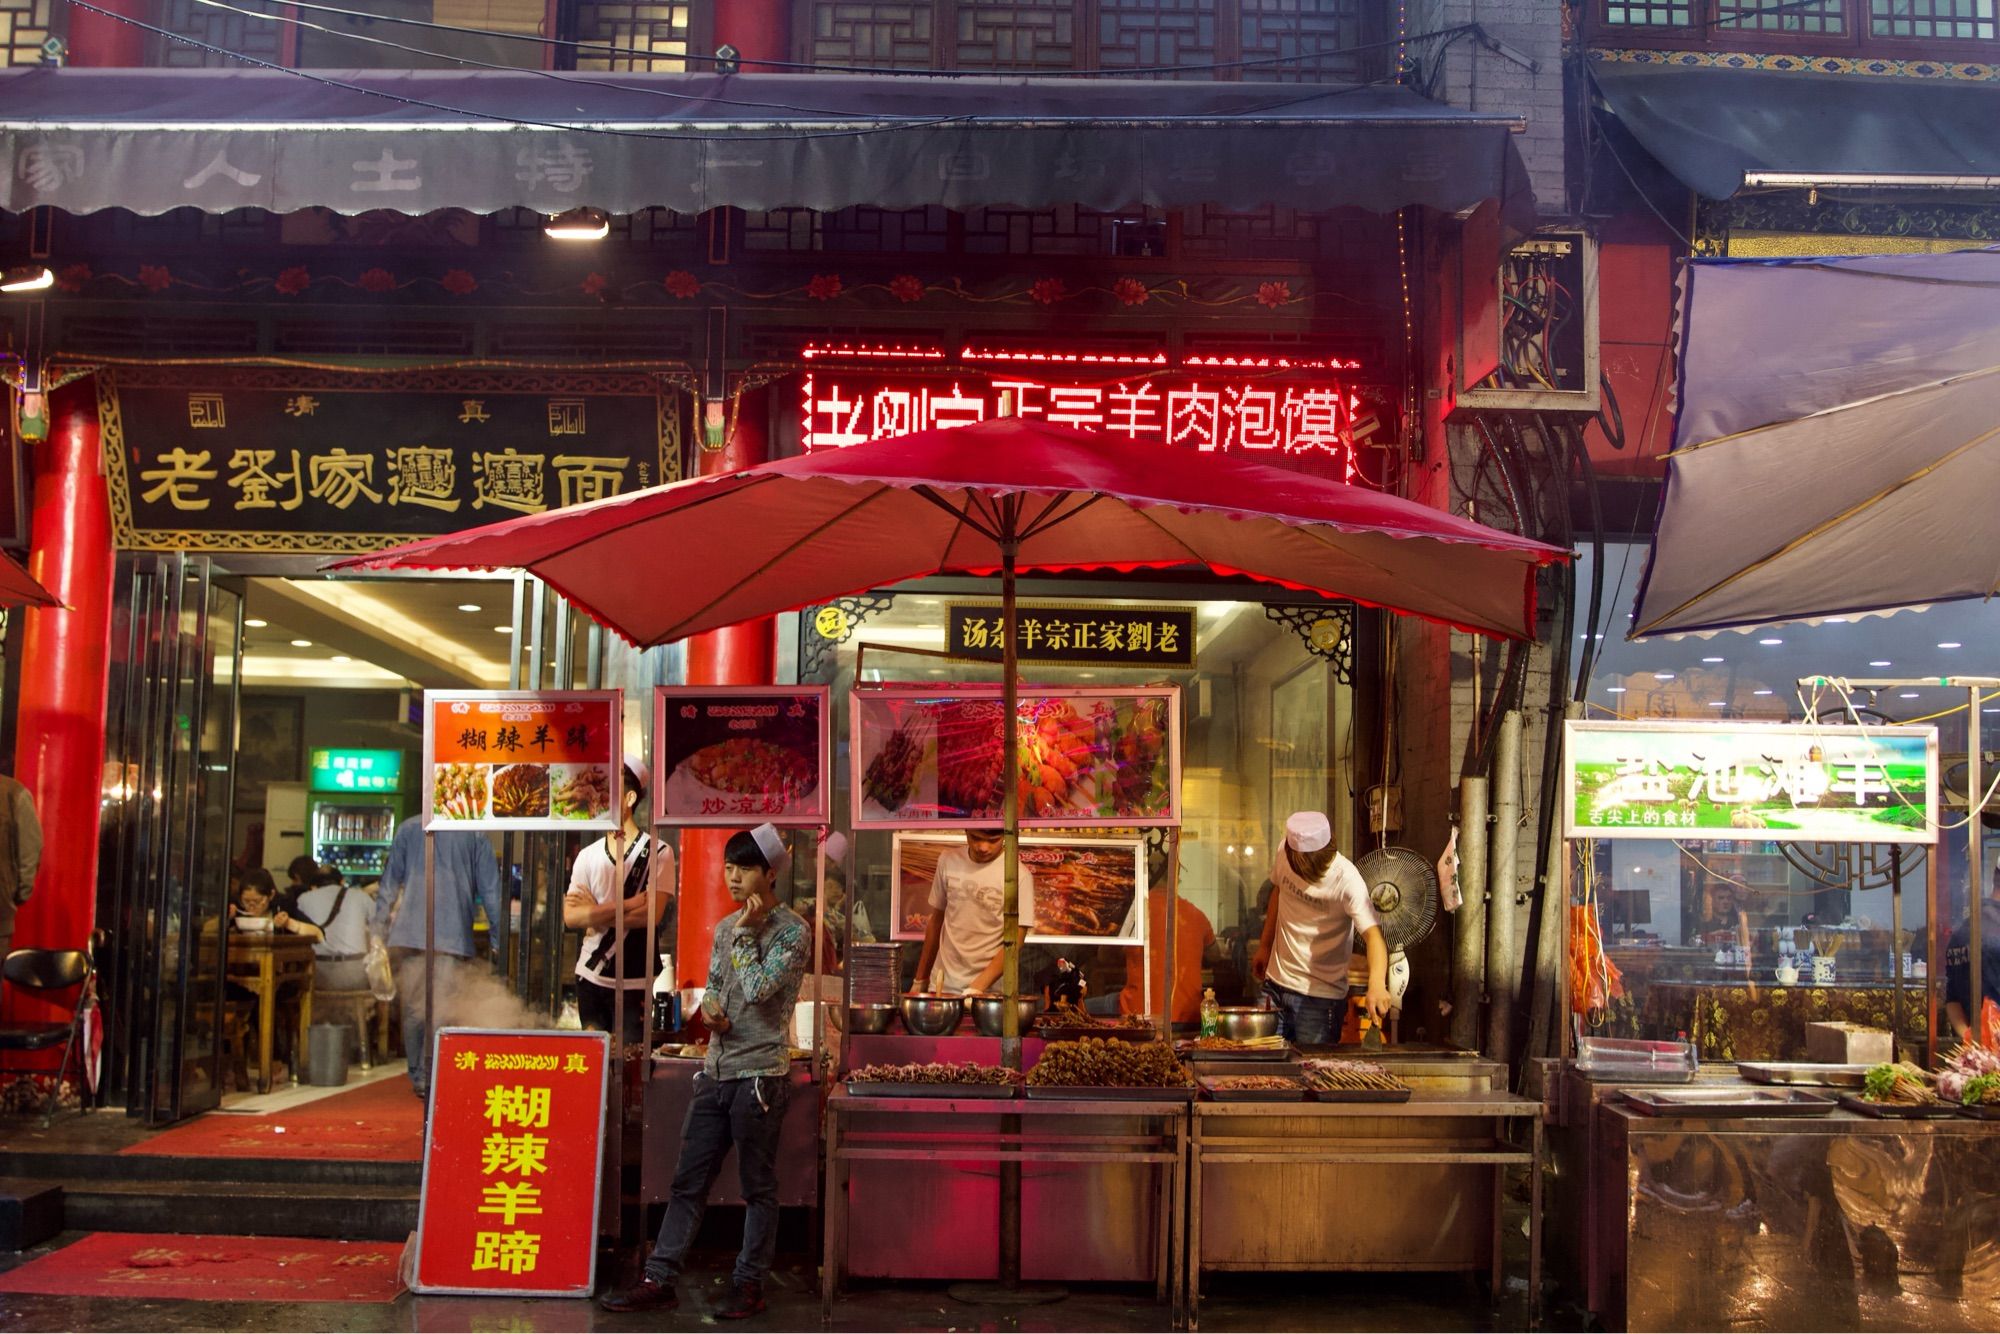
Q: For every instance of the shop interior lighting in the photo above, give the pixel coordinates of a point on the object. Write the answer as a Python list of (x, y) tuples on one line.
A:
[(302, 643), (1763, 692), (503, 629), (1881, 662), (1663, 676), (342, 657), (1711, 660), (1273, 363), (255, 623), (469, 606), (1906, 694), (1951, 643), (1022, 357), (27, 278), (1614, 690), (579, 224), (1770, 643), (871, 352)]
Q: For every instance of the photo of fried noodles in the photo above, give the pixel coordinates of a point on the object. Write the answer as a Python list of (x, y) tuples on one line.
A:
[(460, 792), (521, 791)]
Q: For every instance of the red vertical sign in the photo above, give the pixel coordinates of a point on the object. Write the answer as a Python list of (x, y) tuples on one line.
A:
[(512, 1163)]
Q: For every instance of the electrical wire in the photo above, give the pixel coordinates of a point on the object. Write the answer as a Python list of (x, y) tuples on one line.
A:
[(608, 50), (1839, 685)]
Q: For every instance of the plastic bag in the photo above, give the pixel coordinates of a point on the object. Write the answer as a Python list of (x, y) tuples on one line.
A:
[(381, 977)]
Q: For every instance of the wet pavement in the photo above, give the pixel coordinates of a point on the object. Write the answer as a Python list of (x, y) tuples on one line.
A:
[(1404, 1302)]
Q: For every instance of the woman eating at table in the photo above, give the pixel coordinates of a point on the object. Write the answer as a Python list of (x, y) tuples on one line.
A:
[(258, 899)]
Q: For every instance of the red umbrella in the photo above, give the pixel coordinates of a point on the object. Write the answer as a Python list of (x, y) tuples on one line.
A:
[(662, 564), (1002, 495), (18, 588)]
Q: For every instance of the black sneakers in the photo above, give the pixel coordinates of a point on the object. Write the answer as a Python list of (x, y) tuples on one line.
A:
[(745, 1300), (648, 1294)]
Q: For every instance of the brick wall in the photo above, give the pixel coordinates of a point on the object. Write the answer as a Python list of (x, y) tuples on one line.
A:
[(1479, 79)]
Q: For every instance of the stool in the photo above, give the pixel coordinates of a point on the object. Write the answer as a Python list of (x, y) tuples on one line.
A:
[(361, 1009)]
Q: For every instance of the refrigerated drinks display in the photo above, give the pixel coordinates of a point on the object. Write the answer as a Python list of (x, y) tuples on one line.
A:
[(355, 800)]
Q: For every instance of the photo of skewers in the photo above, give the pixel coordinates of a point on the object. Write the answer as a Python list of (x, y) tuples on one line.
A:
[(460, 791)]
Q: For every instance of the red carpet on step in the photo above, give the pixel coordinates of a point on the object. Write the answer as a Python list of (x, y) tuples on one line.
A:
[(381, 1122), (217, 1269)]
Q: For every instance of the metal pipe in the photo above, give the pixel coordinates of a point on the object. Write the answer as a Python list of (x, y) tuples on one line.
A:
[(1502, 878), (1975, 792), (1552, 902), (1468, 934), (1896, 943)]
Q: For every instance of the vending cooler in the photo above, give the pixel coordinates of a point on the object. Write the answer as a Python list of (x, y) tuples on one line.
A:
[(353, 806)]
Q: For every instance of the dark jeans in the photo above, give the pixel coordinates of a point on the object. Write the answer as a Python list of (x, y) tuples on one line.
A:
[(747, 1113), (1307, 1021), (409, 968), (594, 1008)]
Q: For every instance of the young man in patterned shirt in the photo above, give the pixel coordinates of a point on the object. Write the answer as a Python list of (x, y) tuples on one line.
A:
[(759, 959)]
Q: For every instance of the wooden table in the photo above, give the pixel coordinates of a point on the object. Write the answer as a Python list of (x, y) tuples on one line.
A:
[(264, 963)]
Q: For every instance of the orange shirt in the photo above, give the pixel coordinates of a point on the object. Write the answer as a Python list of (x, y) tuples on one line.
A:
[(1192, 937)]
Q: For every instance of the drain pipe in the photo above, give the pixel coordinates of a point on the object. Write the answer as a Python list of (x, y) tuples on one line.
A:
[(1468, 931), (1503, 878)]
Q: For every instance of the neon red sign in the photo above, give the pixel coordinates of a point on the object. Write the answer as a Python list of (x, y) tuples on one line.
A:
[(1307, 422)]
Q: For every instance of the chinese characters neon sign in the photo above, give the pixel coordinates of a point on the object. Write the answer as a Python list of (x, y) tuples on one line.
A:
[(1308, 420)]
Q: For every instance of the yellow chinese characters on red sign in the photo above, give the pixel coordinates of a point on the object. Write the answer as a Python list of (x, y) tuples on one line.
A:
[(511, 1163)]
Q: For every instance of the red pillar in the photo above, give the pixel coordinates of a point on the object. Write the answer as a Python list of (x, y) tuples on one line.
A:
[(99, 41), (65, 651), (758, 29), (736, 655)]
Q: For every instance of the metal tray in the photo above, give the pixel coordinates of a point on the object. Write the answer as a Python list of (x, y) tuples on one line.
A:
[(1804, 1073), (1188, 1051), (1898, 1111), (1107, 1093), (870, 1088), (1297, 1094), (1979, 1111), (1358, 1095), (1073, 1033), (1728, 1102)]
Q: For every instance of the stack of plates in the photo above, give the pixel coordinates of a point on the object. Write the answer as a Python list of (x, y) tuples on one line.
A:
[(873, 974)]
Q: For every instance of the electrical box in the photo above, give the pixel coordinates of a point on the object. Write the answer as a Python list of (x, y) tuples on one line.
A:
[(1547, 330)]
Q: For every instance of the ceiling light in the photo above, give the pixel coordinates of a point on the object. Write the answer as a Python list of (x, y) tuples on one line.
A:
[(255, 624), (578, 224), (1761, 692), (1907, 694), (1951, 643), (1718, 704), (342, 657), (1834, 620), (503, 629), (27, 278), (1711, 660), (1663, 676), (1770, 643), (470, 606), (302, 643), (1614, 690), (1881, 662)]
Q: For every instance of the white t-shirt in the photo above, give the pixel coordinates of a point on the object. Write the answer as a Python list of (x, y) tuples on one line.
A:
[(1317, 926), (970, 895), (604, 880)]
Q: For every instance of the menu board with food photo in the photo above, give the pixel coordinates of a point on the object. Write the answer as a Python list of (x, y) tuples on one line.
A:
[(740, 755), (1088, 758), (521, 759), (1087, 891)]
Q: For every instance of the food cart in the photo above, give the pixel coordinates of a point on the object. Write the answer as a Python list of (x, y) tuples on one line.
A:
[(1704, 1194)]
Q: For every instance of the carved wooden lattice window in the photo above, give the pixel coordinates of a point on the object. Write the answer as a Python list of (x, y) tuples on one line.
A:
[(1151, 34), (636, 35), (1827, 18), (221, 28), (1650, 13), (1937, 20), (894, 34), (1017, 35), (24, 25), (1273, 28)]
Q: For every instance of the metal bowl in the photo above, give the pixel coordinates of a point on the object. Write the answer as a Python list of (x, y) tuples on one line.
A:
[(1240, 1023), (989, 1013), (930, 1015), (870, 1018)]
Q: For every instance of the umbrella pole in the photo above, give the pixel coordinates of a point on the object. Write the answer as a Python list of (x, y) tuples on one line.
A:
[(1010, 899)]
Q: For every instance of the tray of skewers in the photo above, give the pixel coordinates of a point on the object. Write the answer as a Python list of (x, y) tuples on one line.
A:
[(1253, 1088), (1273, 1048), (1898, 1090), (1066, 1023), (1970, 1081), (1115, 1071), (936, 1079), (1353, 1081)]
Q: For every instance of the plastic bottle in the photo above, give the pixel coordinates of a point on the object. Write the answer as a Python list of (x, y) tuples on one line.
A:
[(1211, 1013), (666, 998)]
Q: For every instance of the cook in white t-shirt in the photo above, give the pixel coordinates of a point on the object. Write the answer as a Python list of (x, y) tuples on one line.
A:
[(1319, 905), (962, 941)]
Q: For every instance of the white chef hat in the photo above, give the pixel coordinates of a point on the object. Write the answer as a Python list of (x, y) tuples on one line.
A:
[(1308, 831), (833, 848), (772, 844), (636, 770)]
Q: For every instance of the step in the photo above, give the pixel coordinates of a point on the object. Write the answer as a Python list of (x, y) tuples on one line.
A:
[(97, 1167), (243, 1209)]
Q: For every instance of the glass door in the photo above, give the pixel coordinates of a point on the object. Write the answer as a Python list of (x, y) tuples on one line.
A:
[(170, 750)]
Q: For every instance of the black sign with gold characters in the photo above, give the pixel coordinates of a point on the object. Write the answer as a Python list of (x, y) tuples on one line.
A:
[(282, 459), (1075, 634)]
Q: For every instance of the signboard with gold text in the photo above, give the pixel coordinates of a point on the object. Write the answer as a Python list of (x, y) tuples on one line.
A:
[(511, 1163), (1082, 635), (282, 459)]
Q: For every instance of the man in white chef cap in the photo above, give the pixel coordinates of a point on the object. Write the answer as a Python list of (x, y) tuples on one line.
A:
[(1318, 905)]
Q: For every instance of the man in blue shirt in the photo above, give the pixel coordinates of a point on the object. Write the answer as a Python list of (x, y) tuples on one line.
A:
[(466, 870)]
